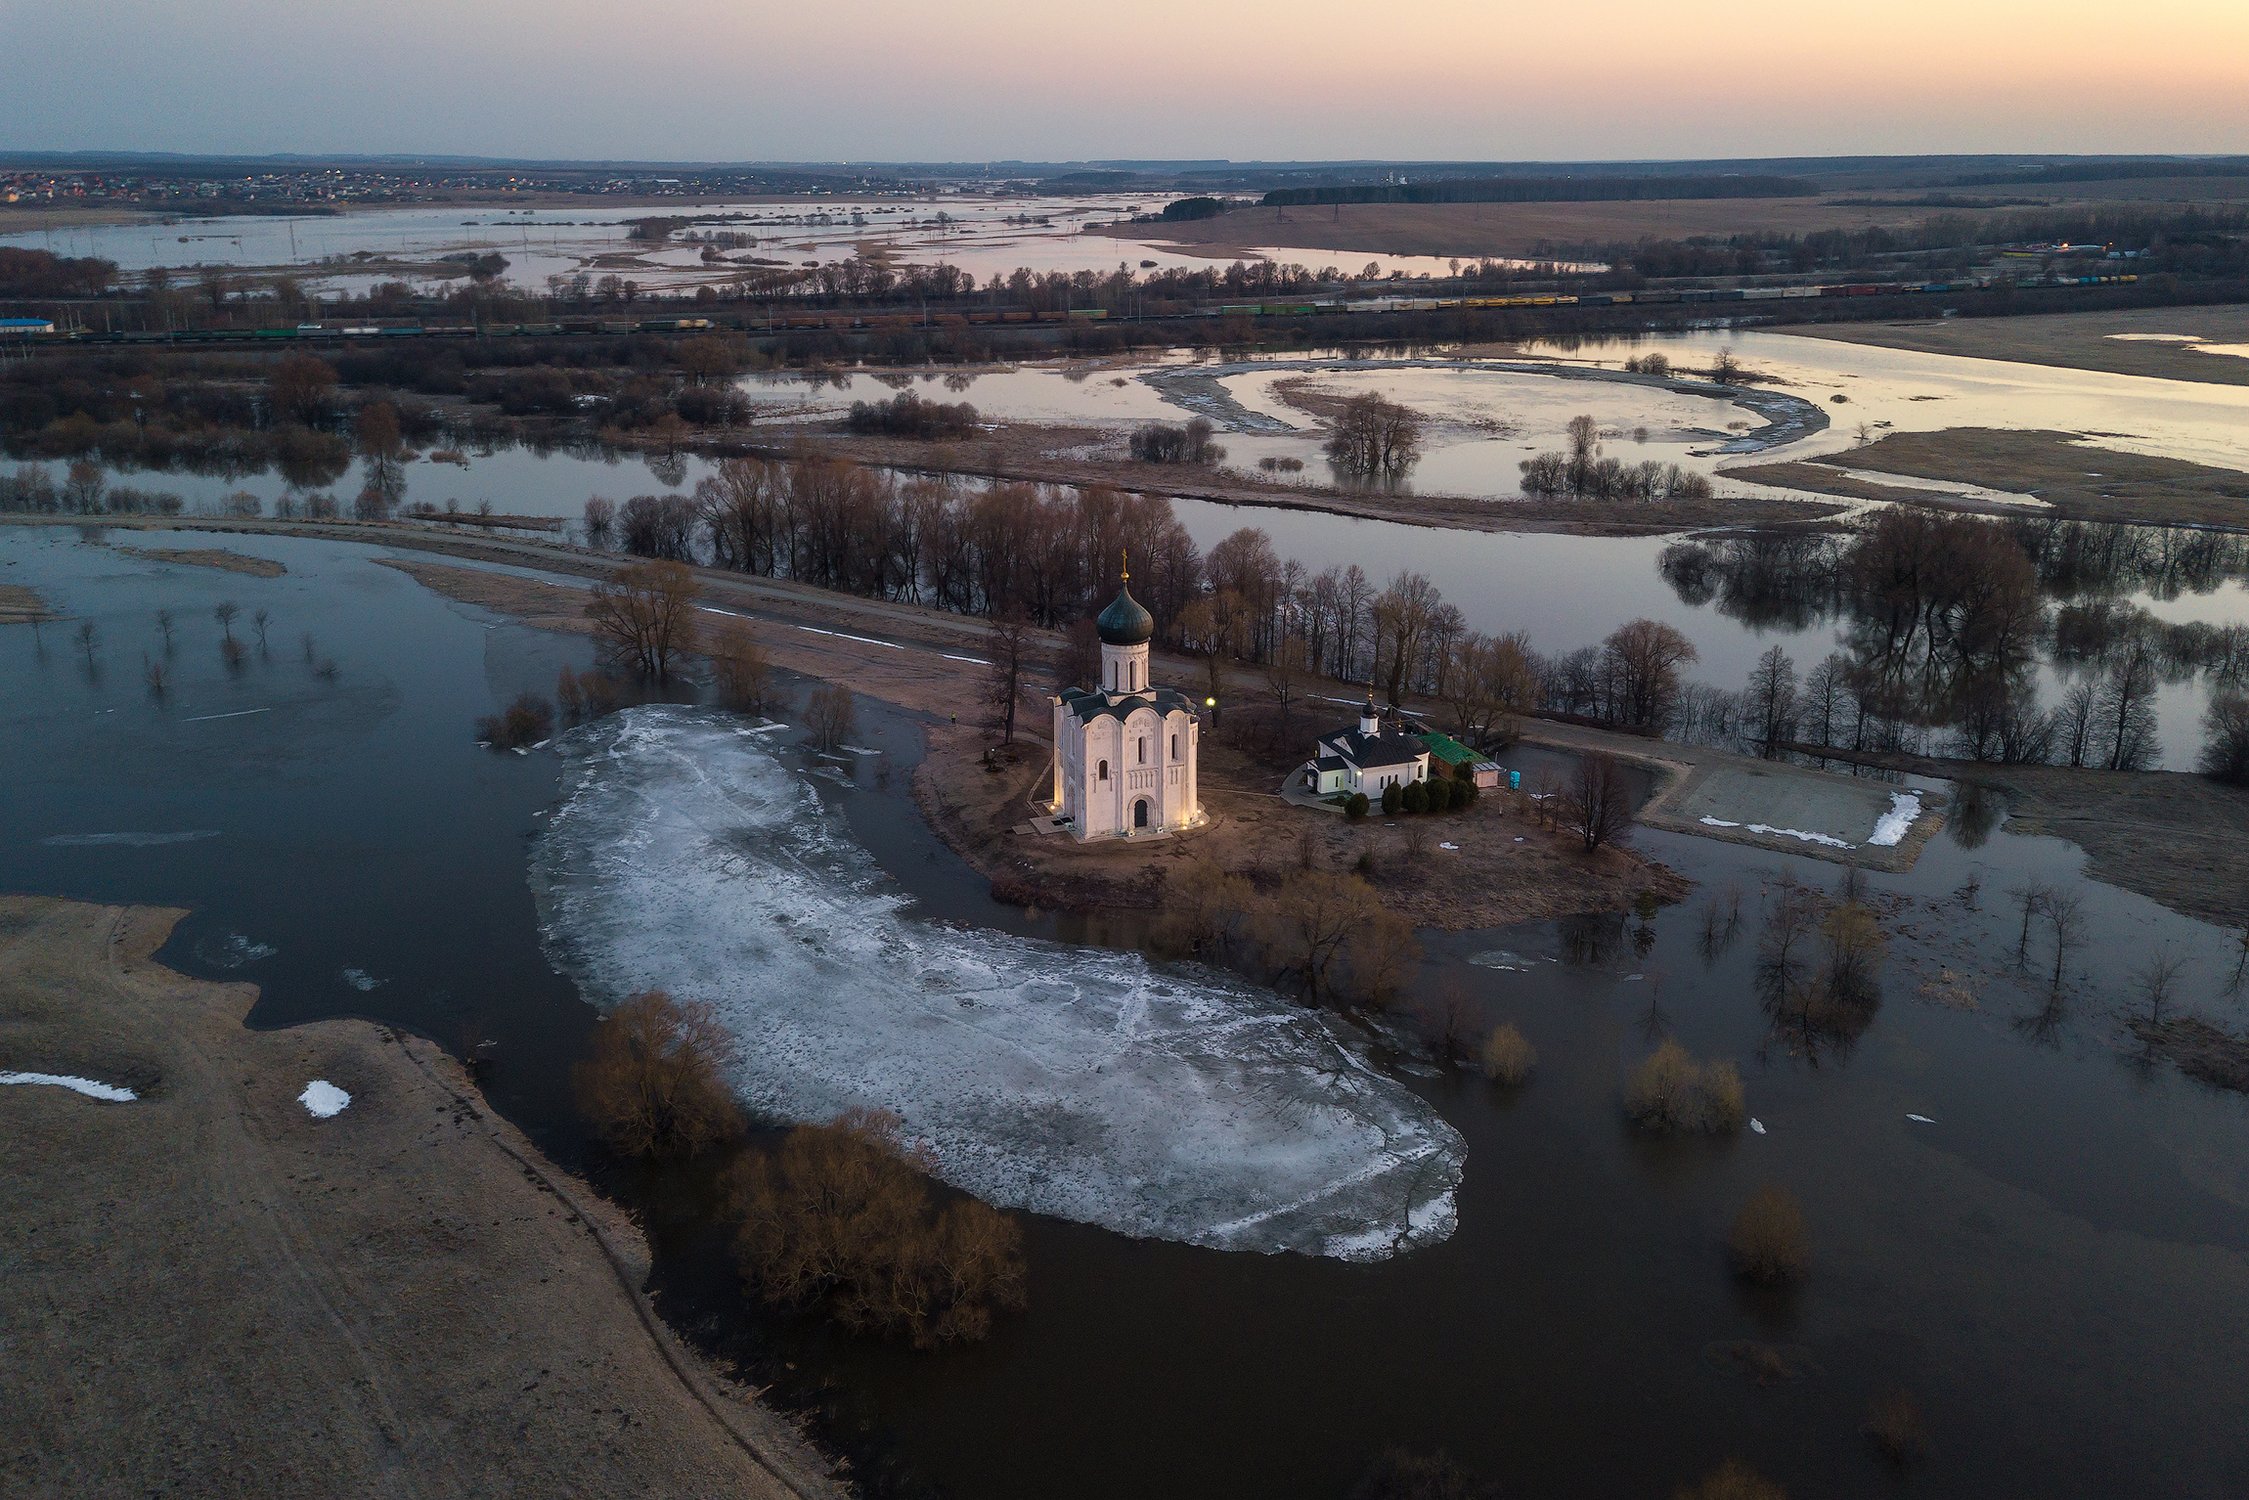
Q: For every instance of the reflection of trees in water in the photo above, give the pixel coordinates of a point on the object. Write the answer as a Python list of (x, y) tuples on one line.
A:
[(1974, 814), (1819, 972), (1767, 580), (1591, 939), (1945, 619)]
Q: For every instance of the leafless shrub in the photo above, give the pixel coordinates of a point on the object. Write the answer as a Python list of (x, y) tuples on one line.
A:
[(830, 716), (526, 721), (1767, 1242), (1731, 1480), (741, 673), (1893, 1425), (1673, 1093), (654, 1083), (842, 1215), (1508, 1056)]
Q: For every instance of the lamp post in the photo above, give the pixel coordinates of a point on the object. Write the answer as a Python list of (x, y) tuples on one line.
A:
[(1211, 703)]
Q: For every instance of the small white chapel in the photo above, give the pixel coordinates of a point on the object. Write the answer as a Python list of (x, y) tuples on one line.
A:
[(1124, 752)]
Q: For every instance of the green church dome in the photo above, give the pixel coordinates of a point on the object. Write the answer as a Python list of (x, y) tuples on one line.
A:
[(1124, 622)]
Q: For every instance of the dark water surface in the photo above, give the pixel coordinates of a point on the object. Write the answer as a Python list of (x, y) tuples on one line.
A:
[(2056, 1266)]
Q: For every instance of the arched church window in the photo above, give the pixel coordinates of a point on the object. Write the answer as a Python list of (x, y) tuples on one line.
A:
[(1104, 771)]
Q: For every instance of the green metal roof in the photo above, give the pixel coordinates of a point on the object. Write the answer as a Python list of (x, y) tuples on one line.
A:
[(1449, 750)]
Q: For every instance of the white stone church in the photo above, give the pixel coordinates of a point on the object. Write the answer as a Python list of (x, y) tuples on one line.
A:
[(1124, 752)]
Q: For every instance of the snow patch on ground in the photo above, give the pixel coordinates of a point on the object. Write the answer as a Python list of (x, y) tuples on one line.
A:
[(323, 1100), (1890, 828), (108, 1093), (1827, 839), (1172, 1103)]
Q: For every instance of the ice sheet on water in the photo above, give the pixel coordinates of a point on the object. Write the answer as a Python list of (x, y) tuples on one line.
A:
[(1083, 1083), (233, 951), (361, 980)]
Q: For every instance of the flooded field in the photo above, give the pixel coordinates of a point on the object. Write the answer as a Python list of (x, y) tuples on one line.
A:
[(2014, 1214), (1564, 591), (984, 236)]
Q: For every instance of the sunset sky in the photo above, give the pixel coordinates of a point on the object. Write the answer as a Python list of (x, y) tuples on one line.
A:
[(975, 79)]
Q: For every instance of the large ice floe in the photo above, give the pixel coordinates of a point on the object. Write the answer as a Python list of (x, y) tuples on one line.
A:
[(1084, 1083)]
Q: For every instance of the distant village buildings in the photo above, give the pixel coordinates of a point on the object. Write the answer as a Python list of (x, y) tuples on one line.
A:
[(1124, 752)]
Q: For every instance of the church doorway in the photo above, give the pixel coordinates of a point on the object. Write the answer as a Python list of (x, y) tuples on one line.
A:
[(1140, 813)]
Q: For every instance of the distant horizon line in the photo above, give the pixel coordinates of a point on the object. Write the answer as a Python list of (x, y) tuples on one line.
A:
[(65, 157)]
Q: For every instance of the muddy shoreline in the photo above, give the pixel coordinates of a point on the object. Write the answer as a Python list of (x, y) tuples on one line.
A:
[(463, 1280)]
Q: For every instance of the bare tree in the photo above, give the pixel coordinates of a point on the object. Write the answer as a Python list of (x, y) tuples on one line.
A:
[(164, 628), (830, 716), (2225, 743), (2125, 707), (1772, 701), (88, 636), (1284, 672), (1643, 659), (644, 615), (261, 617), (740, 672), (1007, 643), (1598, 805), (224, 612), (1306, 926), (2156, 981), (1374, 436)]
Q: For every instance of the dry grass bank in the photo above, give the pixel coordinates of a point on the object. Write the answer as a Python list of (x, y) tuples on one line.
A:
[(21, 604), (1330, 232), (1094, 456), (2081, 482), (222, 558), (211, 1292), (2171, 836), (2071, 341)]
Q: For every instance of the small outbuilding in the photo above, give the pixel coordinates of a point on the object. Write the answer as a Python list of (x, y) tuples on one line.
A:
[(1368, 759), (1451, 754)]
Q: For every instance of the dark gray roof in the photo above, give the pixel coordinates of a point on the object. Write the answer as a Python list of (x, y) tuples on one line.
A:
[(1330, 763), (1375, 749), (1088, 706)]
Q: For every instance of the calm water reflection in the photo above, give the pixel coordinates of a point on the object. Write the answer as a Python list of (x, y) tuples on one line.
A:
[(2055, 1266)]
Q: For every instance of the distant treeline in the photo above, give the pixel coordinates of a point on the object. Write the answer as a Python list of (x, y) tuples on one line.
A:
[(1547, 190), (2209, 240), (41, 273), (2113, 171)]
